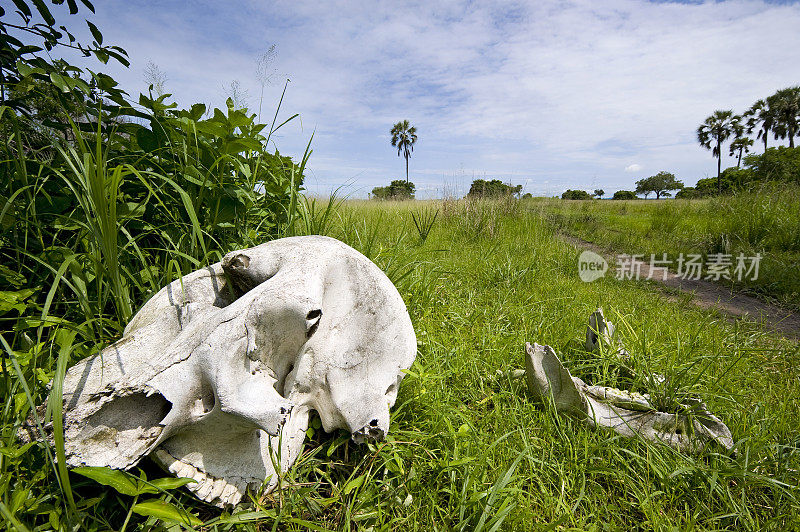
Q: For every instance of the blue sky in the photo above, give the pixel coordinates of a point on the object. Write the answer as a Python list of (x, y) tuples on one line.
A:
[(551, 95)]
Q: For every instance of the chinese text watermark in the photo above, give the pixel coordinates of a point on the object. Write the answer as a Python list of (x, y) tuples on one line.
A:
[(715, 267)]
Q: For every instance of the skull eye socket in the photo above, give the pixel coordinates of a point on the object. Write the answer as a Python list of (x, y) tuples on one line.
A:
[(206, 400)]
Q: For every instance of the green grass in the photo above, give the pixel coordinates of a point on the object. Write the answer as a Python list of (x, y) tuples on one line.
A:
[(469, 450), (765, 221)]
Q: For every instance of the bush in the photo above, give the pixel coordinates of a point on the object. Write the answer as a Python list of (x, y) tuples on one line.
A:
[(687, 193), (576, 195), (397, 190), (708, 186), (776, 164), (481, 188), (624, 195)]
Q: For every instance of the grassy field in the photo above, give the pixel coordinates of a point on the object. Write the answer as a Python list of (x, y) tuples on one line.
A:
[(468, 449), (765, 222)]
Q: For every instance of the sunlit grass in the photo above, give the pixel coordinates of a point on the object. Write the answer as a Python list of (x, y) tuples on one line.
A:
[(765, 222)]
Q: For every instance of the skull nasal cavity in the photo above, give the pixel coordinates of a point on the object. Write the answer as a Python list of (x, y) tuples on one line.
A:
[(312, 321)]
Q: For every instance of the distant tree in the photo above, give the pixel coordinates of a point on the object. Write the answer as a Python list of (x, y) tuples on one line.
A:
[(598, 192), (404, 136), (527, 195), (397, 190), (624, 195), (661, 184), (713, 132), (576, 195), (786, 103), (481, 188), (760, 118)]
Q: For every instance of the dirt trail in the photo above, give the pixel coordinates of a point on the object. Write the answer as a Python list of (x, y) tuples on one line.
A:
[(708, 294)]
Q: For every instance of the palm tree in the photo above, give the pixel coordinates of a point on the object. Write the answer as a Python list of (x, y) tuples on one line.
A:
[(740, 144), (404, 135), (715, 130), (762, 116), (786, 103)]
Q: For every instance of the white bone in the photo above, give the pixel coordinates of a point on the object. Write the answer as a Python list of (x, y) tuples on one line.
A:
[(626, 413), (222, 365), (599, 332)]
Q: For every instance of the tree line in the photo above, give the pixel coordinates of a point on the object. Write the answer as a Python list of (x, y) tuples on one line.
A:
[(778, 114)]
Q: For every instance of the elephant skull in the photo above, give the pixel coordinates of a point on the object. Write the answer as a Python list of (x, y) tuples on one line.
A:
[(216, 376)]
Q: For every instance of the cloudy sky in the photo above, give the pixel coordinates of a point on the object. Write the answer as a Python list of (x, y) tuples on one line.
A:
[(551, 95)]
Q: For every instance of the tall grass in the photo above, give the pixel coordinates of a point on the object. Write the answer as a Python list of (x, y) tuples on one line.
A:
[(765, 221)]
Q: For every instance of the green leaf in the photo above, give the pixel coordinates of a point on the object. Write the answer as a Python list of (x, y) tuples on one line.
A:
[(245, 517), (119, 480), (353, 484), (170, 483), (308, 525), (15, 452), (166, 511), (88, 4), (14, 300), (23, 7), (59, 81), (95, 33), (26, 70), (146, 140), (44, 12)]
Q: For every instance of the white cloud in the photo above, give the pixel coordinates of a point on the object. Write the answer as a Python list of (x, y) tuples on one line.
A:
[(545, 91)]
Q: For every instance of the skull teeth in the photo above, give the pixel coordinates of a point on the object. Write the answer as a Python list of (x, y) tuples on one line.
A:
[(210, 489)]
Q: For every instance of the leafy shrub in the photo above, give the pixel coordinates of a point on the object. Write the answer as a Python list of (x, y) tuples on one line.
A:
[(776, 164), (687, 193), (624, 195), (481, 188), (576, 195), (397, 190), (779, 164), (708, 186)]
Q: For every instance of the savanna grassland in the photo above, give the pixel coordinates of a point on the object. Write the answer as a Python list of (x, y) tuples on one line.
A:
[(107, 197), (468, 449)]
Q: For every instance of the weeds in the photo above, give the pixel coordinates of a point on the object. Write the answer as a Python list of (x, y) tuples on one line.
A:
[(423, 222)]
